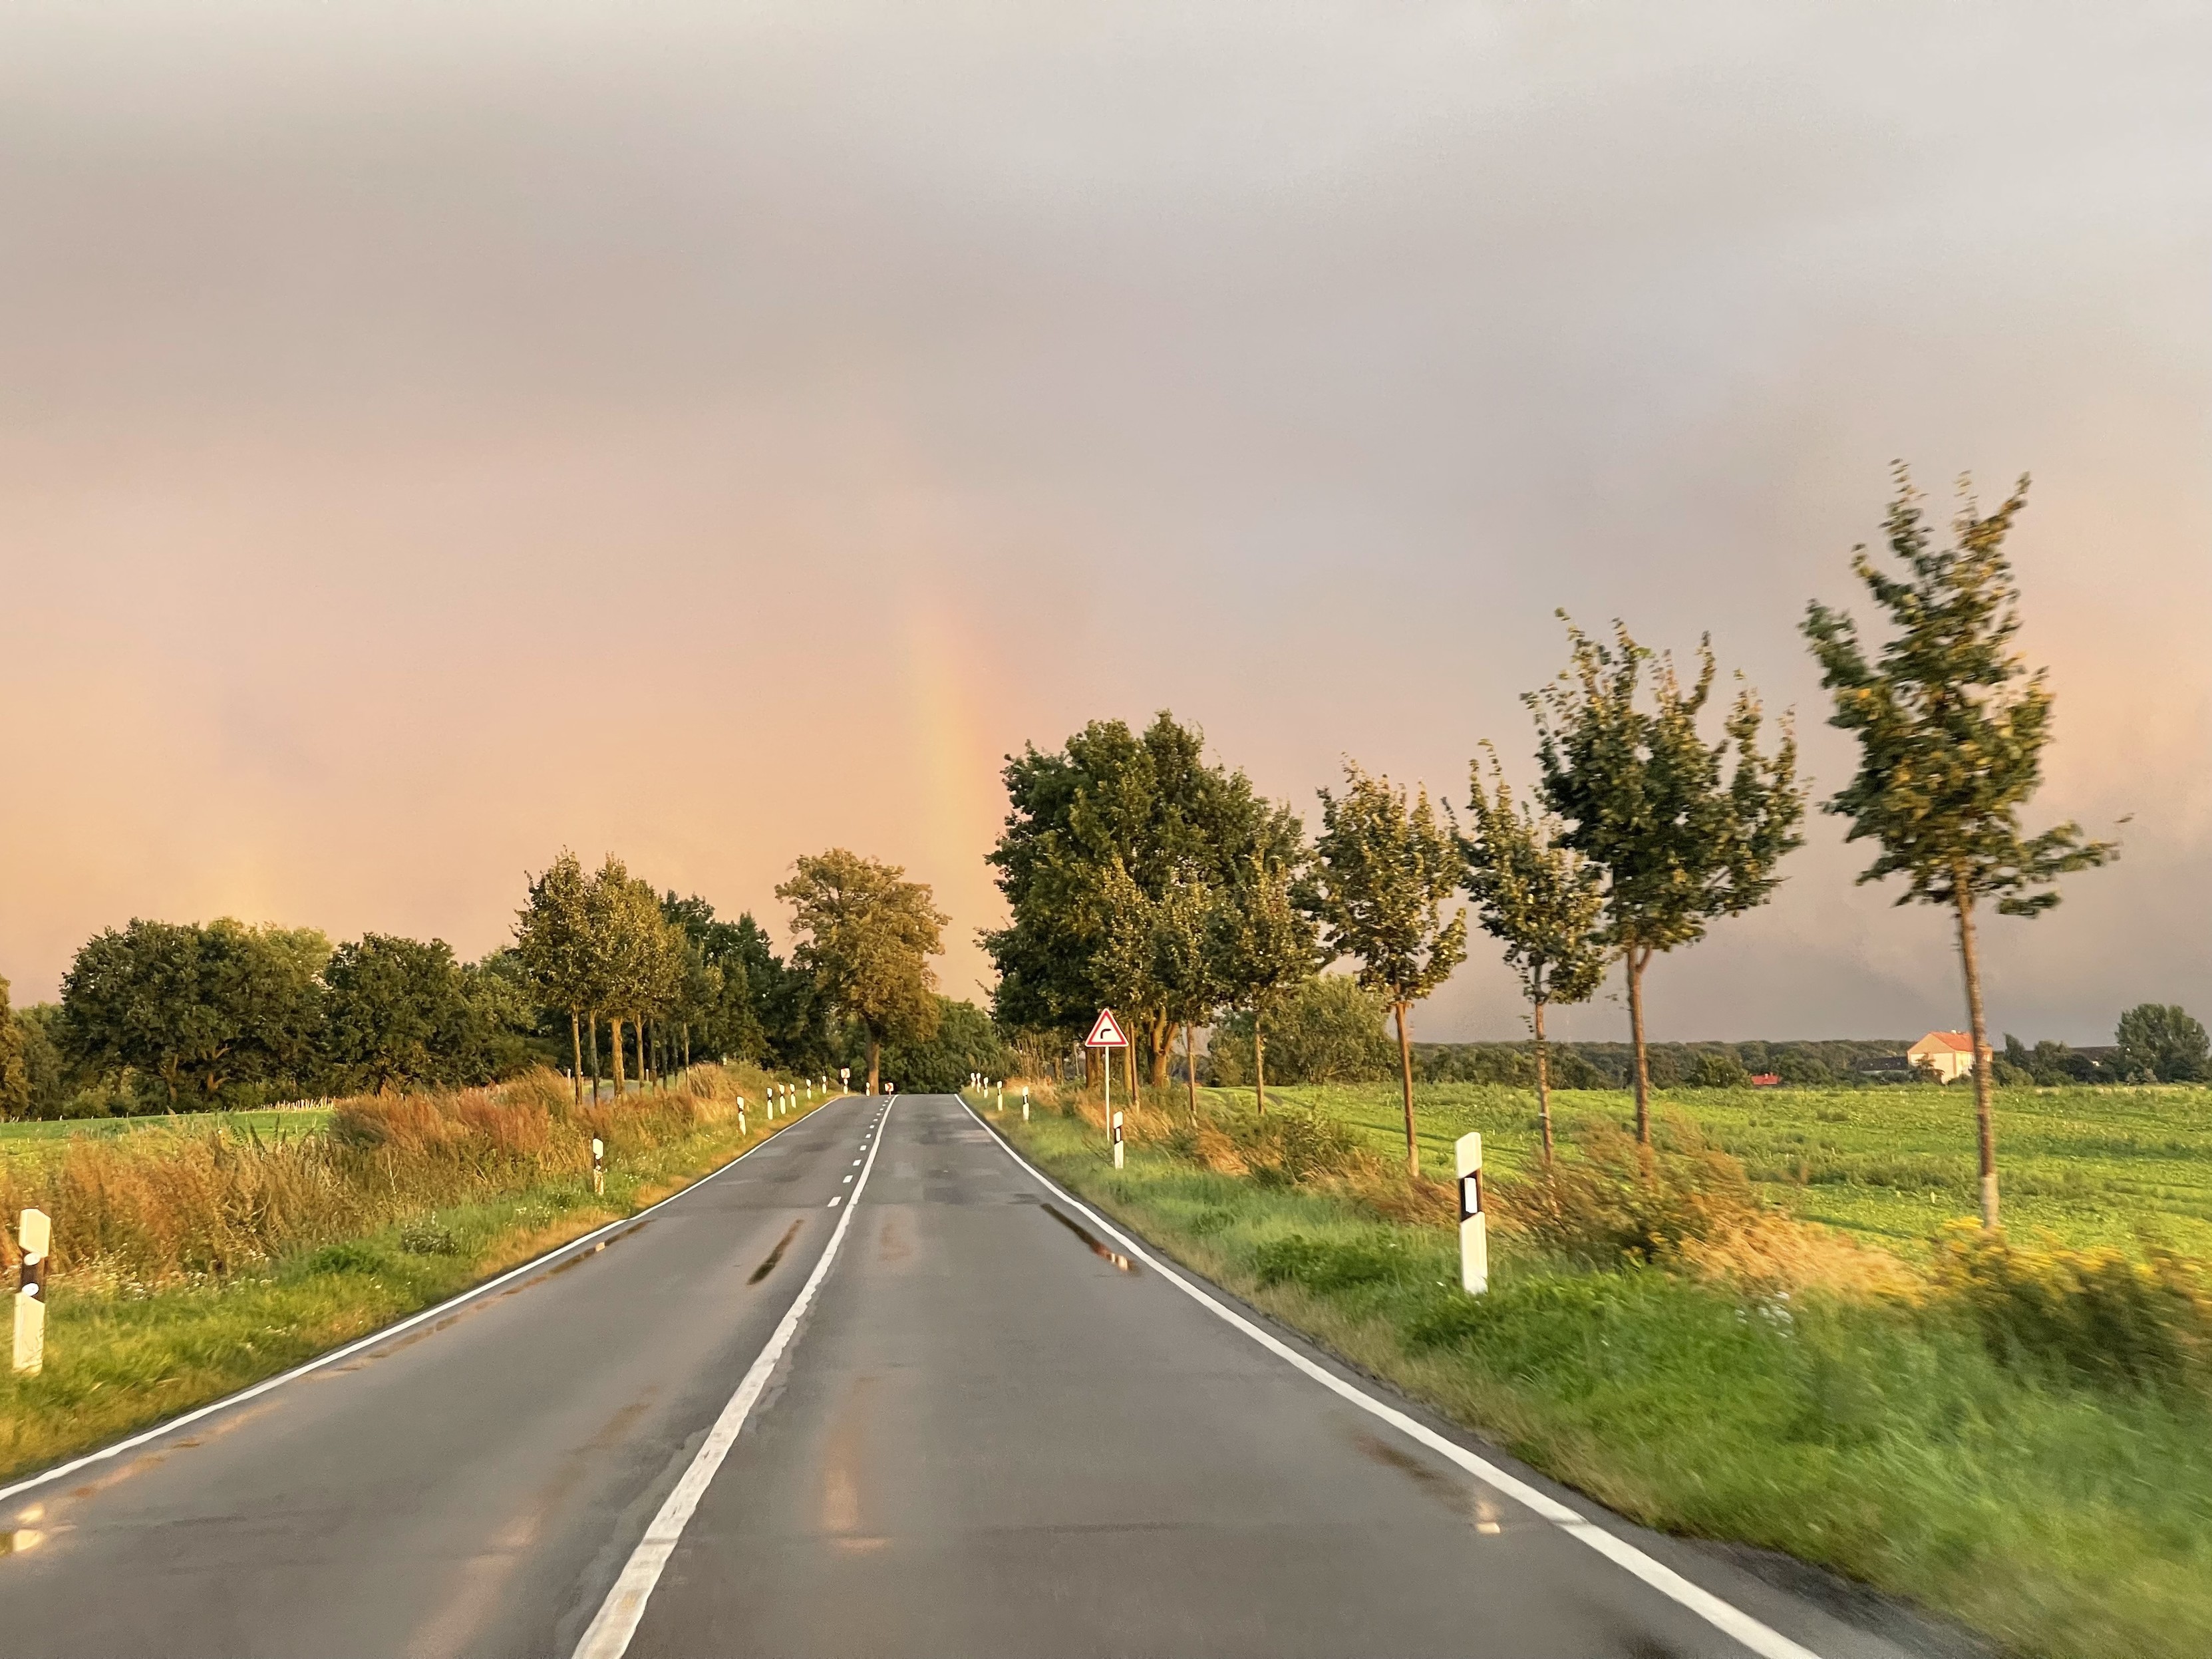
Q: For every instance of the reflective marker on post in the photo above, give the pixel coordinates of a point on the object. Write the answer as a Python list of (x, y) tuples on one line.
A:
[(1117, 1141), (1473, 1230), (35, 1236)]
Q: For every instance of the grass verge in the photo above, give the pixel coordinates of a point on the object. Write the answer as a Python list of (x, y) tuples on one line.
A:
[(1880, 1438), (121, 1356)]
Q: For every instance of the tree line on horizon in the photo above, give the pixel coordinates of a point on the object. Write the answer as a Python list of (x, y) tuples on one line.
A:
[(159, 1016), (1140, 875)]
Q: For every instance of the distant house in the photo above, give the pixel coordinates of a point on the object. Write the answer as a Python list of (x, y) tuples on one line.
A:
[(1764, 1079), (1950, 1055)]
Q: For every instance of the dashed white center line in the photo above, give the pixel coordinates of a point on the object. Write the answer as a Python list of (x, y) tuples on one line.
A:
[(835, 1202), (849, 1181)]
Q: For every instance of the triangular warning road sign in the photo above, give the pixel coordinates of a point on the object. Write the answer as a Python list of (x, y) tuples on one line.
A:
[(1106, 1034)]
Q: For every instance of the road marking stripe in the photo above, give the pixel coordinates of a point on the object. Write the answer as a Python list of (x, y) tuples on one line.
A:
[(611, 1629), (385, 1333), (1760, 1638)]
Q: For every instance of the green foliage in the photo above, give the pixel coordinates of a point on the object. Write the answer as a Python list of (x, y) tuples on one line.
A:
[(1717, 1071), (1382, 871), (1535, 896), (14, 1061), (1262, 946), (964, 1042), (2095, 1314), (1328, 1029), (2163, 1041), (866, 936), (1148, 804), (1951, 725), (398, 1013), (196, 1011), (1681, 836)]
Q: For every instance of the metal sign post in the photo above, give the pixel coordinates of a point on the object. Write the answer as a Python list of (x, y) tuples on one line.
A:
[(1473, 1230), (35, 1236), (1106, 1034)]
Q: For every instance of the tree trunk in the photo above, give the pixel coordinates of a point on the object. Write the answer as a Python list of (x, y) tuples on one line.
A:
[(615, 1046), (1190, 1068), (687, 1045), (1543, 1081), (1091, 1067), (1162, 1038), (1983, 1061), (875, 1073), (1406, 1076), (592, 1032), (577, 1046), (1259, 1063), (1637, 961), (1129, 1065)]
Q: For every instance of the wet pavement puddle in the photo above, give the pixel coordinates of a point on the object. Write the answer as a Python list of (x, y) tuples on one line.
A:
[(1097, 1248), (775, 1254)]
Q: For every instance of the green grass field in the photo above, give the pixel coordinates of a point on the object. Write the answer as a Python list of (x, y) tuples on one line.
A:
[(1892, 1165), (2065, 1521), (268, 1124)]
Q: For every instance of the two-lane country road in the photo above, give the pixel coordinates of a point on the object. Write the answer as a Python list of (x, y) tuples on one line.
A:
[(998, 1429)]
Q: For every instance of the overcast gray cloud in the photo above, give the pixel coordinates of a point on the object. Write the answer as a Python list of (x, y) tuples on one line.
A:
[(417, 422)]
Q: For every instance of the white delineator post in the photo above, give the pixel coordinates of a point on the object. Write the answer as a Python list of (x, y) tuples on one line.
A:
[(1117, 1141), (35, 1236), (742, 1130), (1473, 1230), (1025, 1104), (599, 1165)]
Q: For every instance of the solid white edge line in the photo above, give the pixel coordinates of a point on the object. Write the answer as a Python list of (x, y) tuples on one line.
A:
[(1760, 1638), (146, 1437), (609, 1633)]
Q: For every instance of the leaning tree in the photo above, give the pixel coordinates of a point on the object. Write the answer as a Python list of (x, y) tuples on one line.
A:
[(1951, 727)]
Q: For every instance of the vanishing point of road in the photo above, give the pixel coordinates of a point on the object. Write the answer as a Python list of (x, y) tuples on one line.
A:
[(875, 1389)]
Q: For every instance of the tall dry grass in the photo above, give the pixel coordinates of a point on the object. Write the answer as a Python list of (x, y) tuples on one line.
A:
[(158, 1207)]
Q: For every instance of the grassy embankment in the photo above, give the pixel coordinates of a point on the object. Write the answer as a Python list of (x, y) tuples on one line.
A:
[(195, 1259), (2021, 1440)]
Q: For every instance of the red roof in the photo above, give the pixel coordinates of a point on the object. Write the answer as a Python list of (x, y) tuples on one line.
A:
[(1957, 1041)]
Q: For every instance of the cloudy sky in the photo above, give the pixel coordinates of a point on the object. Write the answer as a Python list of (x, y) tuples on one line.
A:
[(433, 435)]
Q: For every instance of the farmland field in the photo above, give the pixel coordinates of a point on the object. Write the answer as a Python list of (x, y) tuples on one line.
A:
[(43, 1135), (1892, 1165)]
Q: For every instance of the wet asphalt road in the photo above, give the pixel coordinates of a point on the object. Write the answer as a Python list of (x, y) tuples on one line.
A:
[(993, 1434)]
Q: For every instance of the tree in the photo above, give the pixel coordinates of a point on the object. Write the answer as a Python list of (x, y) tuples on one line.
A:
[(1540, 901), (1184, 967), (1382, 874), (1263, 946), (1714, 1070), (2163, 1043), (1149, 800), (15, 1062), (200, 1009), (1327, 1029), (398, 1013), (553, 932), (1679, 839), (626, 926), (964, 1042), (1951, 727), (867, 934)]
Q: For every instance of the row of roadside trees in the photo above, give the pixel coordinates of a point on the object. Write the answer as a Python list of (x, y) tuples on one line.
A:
[(1140, 875), (605, 976)]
